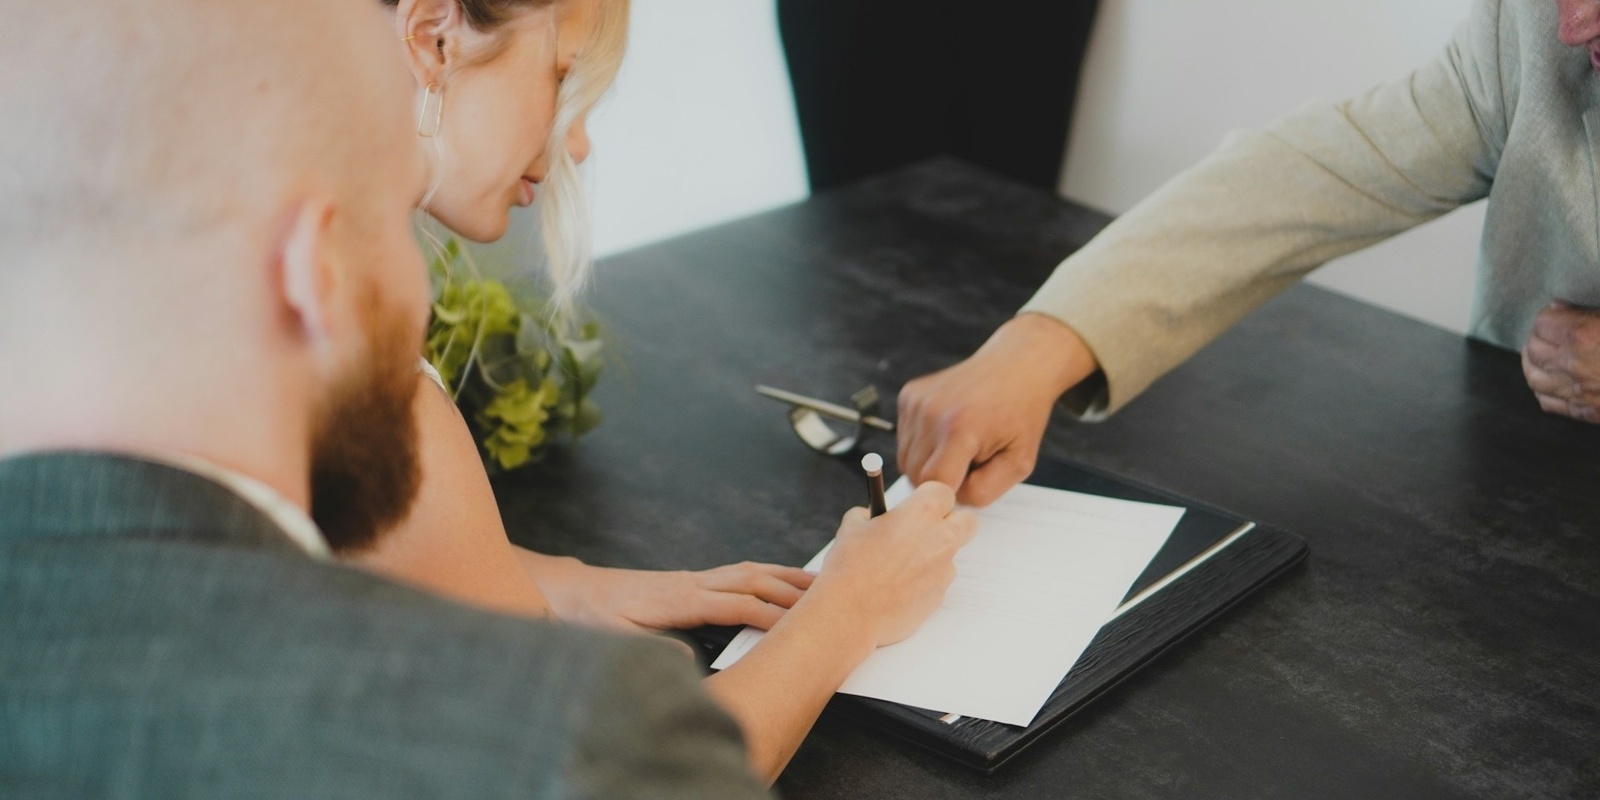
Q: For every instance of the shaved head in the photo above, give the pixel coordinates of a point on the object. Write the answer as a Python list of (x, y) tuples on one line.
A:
[(161, 119), (206, 207)]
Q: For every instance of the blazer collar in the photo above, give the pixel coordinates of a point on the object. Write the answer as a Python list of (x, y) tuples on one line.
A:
[(88, 494)]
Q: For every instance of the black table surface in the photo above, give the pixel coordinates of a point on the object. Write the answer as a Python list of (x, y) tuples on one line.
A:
[(1442, 640)]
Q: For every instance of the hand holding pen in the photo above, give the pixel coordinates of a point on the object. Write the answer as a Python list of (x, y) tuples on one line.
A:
[(897, 564)]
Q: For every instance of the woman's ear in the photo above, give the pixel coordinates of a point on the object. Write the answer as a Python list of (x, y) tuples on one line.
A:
[(429, 30)]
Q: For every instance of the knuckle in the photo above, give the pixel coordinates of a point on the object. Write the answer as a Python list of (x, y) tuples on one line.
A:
[(947, 576), (1550, 321), (911, 395), (1539, 380), (954, 426), (935, 495), (1587, 329), (961, 531)]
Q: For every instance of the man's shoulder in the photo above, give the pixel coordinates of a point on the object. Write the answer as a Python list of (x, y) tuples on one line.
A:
[(265, 664)]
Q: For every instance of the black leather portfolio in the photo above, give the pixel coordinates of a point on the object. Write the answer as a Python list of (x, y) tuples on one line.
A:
[(1212, 560)]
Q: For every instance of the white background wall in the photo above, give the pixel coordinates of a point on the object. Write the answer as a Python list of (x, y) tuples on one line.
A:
[(700, 127), (1165, 79)]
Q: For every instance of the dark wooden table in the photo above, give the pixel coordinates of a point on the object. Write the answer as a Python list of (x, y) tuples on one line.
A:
[(1443, 639)]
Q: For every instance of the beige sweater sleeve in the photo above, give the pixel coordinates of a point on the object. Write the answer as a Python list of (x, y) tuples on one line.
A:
[(1269, 206)]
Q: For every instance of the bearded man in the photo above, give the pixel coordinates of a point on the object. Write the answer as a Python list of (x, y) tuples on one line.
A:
[(211, 303)]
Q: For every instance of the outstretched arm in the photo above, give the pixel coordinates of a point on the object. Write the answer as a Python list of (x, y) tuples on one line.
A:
[(880, 581), (1212, 245), (650, 601), (453, 543)]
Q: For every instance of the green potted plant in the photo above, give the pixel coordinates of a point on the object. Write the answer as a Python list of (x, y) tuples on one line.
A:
[(521, 377)]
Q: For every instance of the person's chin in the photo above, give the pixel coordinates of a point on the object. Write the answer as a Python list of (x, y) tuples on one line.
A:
[(488, 225), (488, 230)]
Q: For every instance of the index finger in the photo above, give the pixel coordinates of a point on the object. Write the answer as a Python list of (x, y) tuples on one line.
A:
[(1543, 382), (933, 496), (951, 461), (794, 576), (992, 479)]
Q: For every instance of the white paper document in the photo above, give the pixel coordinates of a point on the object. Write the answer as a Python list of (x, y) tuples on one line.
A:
[(1046, 570)]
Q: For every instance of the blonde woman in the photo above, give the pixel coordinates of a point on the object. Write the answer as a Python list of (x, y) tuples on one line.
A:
[(503, 87)]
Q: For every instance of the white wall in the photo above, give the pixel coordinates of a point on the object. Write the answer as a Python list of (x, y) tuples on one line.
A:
[(1165, 79), (701, 126)]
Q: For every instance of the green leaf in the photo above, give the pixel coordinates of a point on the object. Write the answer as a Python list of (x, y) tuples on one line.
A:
[(516, 420), (516, 377), (581, 364), (588, 417)]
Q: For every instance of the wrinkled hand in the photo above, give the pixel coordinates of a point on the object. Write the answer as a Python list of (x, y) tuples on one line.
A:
[(647, 601), (895, 568), (977, 425), (1562, 361)]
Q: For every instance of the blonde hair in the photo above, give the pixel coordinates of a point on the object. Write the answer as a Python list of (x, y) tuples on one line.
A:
[(563, 207), (564, 211)]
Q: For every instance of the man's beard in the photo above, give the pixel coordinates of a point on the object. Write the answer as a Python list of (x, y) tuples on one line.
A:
[(365, 469)]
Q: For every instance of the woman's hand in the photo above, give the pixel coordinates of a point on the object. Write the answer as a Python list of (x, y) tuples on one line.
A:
[(879, 582), (647, 601), (895, 569)]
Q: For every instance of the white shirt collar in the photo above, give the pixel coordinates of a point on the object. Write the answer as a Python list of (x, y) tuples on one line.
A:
[(292, 519)]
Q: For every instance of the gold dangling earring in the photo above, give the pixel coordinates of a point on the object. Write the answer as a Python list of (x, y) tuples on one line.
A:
[(433, 95)]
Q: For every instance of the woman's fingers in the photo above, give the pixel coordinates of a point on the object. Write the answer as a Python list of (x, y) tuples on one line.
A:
[(728, 577), (752, 580), (777, 592), (722, 608), (794, 576)]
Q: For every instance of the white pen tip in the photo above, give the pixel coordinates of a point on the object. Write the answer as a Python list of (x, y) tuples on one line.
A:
[(872, 462)]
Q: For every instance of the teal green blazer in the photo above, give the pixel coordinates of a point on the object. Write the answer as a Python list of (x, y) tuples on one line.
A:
[(161, 638)]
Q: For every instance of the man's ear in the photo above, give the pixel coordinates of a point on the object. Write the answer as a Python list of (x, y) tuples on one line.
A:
[(428, 29), (308, 273)]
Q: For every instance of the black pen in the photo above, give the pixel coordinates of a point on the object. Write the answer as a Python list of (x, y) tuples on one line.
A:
[(873, 464)]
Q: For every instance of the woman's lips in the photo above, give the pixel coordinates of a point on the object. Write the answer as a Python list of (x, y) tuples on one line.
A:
[(1594, 56)]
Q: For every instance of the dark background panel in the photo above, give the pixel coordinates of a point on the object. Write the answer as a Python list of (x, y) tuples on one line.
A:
[(884, 83)]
